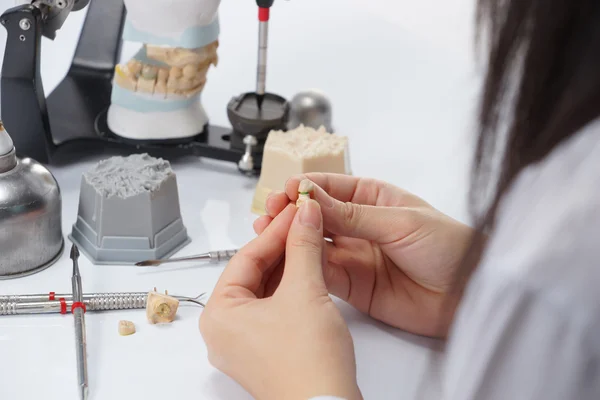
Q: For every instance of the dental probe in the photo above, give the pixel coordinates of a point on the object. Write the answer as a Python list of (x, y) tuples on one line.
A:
[(78, 309), (212, 256)]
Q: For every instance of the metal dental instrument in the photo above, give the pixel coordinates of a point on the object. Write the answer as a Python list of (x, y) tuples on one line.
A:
[(264, 7), (78, 310), (213, 257), (54, 303)]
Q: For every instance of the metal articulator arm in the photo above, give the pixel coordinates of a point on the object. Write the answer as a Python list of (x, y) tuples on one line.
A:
[(23, 104)]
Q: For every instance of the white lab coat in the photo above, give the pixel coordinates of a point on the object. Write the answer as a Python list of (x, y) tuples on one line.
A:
[(529, 324)]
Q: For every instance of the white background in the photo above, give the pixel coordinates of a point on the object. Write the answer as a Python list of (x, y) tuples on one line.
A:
[(401, 77)]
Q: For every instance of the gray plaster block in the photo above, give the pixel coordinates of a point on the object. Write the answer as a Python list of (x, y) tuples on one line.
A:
[(129, 211)]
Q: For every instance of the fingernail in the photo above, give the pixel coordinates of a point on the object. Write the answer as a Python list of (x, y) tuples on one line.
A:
[(269, 199), (293, 177), (310, 214), (267, 202), (285, 185)]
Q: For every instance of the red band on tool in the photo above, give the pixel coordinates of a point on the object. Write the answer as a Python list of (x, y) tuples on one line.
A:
[(76, 305), (52, 296), (63, 305), (263, 14)]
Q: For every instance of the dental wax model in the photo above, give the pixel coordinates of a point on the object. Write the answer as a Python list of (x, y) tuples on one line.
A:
[(126, 328), (129, 211), (161, 308), (156, 94), (304, 191), (298, 151)]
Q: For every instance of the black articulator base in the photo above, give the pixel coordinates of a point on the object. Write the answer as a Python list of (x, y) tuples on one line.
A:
[(72, 120), (246, 116)]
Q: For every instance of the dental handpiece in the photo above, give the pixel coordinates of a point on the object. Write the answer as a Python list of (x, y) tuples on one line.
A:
[(61, 303)]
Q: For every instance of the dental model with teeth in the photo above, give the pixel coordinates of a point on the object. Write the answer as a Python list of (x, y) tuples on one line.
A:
[(157, 94)]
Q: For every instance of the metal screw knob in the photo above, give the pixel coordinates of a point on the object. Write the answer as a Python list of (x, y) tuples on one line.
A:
[(24, 24), (246, 164), (249, 141)]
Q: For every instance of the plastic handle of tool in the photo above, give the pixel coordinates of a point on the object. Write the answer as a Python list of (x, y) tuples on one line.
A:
[(222, 255)]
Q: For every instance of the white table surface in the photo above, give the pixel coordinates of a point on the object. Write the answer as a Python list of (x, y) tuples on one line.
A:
[(401, 78)]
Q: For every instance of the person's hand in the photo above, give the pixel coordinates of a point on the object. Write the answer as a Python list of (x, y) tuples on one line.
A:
[(393, 255), (270, 323)]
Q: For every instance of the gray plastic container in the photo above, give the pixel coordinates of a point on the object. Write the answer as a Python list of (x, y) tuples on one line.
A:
[(129, 211)]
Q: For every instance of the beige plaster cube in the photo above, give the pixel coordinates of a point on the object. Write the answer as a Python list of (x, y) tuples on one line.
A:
[(298, 151)]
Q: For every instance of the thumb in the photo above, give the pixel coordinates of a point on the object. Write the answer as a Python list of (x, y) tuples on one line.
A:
[(375, 223), (304, 255)]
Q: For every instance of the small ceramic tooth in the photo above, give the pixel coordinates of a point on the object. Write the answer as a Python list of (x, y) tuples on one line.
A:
[(126, 328)]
